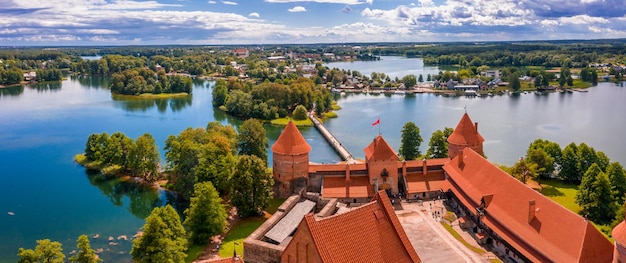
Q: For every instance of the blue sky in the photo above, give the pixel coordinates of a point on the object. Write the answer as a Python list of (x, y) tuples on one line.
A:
[(215, 22)]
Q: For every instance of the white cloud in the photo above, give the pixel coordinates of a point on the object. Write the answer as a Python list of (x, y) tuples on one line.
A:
[(212, 2), (582, 19), (229, 3), (254, 14), (297, 9)]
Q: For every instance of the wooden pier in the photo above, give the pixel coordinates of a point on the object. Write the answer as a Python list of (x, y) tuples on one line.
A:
[(332, 140)]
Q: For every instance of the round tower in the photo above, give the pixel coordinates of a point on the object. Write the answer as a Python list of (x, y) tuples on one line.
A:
[(619, 235), (465, 135), (290, 161)]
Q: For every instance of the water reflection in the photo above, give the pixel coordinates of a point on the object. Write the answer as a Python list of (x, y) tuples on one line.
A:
[(134, 104), (11, 91), (142, 198), (92, 82), (52, 86)]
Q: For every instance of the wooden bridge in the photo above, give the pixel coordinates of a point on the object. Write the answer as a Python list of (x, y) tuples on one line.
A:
[(332, 140)]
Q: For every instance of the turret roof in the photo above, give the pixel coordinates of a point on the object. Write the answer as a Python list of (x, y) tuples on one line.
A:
[(291, 141), (379, 149), (465, 133)]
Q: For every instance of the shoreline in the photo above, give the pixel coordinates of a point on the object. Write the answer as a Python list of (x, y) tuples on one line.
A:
[(151, 95)]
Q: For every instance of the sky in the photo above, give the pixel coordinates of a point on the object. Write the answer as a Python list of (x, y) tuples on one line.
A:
[(243, 22)]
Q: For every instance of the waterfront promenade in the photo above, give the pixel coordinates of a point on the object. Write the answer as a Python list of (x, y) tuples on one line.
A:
[(332, 140)]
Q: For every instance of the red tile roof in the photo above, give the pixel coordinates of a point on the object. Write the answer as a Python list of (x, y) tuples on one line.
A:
[(379, 149), (553, 234), (369, 233), (291, 141), (335, 187), (419, 183), (465, 133)]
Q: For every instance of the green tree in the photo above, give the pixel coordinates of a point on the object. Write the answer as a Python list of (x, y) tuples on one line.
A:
[(163, 239), (585, 189), (410, 141), (523, 170), (252, 186), (46, 251), (514, 82), (586, 157), (420, 79), (299, 113), (409, 81), (144, 158), (544, 163), (570, 81), (538, 81), (438, 143), (206, 215), (85, 253), (252, 140), (220, 93), (569, 164), (594, 76), (602, 206), (617, 177)]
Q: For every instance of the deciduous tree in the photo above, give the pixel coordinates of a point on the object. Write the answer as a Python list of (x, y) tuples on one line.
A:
[(206, 215), (617, 177), (410, 141), (84, 254), (163, 239), (300, 113), (252, 140), (144, 158), (46, 251), (438, 143), (569, 164), (252, 186)]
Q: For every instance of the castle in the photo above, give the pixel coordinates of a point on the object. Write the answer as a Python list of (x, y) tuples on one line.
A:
[(518, 223)]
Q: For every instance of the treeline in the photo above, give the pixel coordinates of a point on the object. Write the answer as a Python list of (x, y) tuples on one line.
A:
[(202, 164), (11, 76), (15, 76), (270, 100), (140, 80), (119, 155), (52, 252), (602, 183), (498, 54)]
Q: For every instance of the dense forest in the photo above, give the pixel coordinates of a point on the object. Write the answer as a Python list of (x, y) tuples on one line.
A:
[(140, 80)]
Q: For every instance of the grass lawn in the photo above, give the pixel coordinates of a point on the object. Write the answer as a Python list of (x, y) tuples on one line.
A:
[(458, 237), (299, 123), (239, 232), (194, 252), (274, 204), (562, 193), (244, 228)]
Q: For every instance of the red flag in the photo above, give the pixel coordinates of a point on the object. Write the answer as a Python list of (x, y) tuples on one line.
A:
[(376, 122)]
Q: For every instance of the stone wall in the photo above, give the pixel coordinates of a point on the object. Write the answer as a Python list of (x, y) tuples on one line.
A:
[(258, 251)]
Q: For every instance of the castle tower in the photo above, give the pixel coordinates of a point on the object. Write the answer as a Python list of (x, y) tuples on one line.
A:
[(382, 165), (465, 135), (290, 161), (619, 235)]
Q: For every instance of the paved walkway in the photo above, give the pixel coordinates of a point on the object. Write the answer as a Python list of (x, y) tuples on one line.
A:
[(332, 140), (430, 239)]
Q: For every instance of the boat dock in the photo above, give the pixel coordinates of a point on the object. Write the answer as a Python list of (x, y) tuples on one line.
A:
[(332, 140)]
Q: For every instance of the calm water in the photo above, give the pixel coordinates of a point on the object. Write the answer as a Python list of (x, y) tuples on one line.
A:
[(393, 66), (44, 125)]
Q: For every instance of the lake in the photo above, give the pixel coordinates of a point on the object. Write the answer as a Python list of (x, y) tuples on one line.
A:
[(45, 125)]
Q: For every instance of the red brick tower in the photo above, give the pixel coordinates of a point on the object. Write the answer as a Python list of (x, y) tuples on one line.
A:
[(382, 165), (290, 161), (465, 135)]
